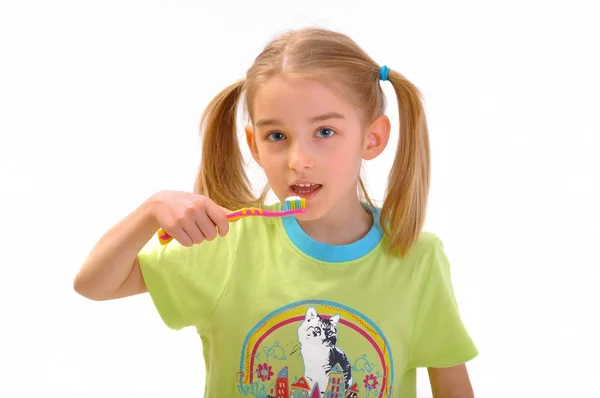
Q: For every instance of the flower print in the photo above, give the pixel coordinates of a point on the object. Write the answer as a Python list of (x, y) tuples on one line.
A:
[(264, 372), (370, 382)]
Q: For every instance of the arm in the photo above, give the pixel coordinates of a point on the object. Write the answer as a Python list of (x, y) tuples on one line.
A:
[(450, 382), (112, 270)]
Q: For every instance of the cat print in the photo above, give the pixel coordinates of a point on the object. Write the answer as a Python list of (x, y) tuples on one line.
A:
[(318, 337)]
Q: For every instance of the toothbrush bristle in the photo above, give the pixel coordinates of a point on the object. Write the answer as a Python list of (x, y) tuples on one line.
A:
[(293, 203)]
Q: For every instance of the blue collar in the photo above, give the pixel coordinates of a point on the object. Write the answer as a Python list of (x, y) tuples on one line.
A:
[(334, 253)]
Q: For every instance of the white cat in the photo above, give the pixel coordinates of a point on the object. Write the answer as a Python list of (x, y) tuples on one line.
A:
[(318, 337)]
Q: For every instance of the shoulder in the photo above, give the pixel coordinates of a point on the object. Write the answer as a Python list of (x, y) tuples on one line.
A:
[(428, 250), (427, 241), (425, 254), (424, 247)]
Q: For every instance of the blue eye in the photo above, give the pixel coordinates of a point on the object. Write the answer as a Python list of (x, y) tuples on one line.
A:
[(328, 133), (276, 136)]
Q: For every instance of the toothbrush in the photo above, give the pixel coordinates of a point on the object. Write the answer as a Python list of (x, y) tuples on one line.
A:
[(292, 205)]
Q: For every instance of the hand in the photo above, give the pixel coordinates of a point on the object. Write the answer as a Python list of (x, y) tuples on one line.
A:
[(189, 218)]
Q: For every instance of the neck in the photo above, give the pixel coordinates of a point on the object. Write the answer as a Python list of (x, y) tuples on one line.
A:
[(341, 226)]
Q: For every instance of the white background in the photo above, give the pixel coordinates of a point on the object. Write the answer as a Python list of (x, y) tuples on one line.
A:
[(99, 106)]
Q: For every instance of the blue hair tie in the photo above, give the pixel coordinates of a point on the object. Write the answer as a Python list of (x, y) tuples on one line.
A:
[(383, 73)]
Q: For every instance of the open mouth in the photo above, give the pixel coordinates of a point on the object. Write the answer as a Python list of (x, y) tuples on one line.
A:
[(305, 189)]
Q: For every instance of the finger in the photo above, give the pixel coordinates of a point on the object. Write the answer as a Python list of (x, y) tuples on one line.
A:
[(192, 230), (180, 236), (206, 225), (218, 215)]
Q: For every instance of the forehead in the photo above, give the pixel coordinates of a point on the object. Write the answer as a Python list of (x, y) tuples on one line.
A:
[(295, 100)]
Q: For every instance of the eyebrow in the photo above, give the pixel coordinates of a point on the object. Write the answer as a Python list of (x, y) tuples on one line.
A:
[(321, 118)]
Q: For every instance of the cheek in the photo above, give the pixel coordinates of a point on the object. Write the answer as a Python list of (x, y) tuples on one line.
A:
[(348, 160), (274, 175), (268, 156), (271, 162), (274, 168)]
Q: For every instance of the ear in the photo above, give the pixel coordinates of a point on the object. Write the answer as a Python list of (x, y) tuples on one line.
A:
[(376, 137), (335, 320), (310, 314), (250, 139)]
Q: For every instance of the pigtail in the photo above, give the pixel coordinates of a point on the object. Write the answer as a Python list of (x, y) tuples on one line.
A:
[(404, 207), (221, 176)]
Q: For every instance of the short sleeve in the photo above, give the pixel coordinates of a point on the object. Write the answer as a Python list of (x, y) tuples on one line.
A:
[(186, 283), (440, 338)]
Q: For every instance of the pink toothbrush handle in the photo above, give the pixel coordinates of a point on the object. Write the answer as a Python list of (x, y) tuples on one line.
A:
[(165, 238)]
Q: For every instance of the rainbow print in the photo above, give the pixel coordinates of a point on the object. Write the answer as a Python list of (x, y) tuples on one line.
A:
[(295, 313)]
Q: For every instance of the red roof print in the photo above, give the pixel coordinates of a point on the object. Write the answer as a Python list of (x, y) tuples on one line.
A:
[(302, 383), (354, 388)]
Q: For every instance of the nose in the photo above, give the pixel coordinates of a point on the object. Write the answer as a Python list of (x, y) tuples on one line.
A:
[(300, 156)]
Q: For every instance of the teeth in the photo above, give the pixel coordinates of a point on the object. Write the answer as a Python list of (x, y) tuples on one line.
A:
[(305, 188)]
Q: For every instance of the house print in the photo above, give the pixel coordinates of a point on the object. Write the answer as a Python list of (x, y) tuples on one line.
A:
[(282, 384), (300, 389), (353, 391), (335, 388)]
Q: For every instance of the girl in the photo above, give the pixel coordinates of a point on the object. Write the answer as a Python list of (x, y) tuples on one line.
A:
[(344, 300)]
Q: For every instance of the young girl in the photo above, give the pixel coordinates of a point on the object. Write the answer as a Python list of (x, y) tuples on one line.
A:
[(344, 300)]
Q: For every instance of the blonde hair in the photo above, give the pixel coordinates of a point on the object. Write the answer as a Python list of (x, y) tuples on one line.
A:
[(327, 56)]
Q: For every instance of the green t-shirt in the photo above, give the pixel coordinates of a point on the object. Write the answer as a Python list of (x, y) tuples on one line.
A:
[(282, 315)]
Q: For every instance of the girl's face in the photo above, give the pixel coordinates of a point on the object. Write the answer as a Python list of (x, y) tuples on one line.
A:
[(310, 143)]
